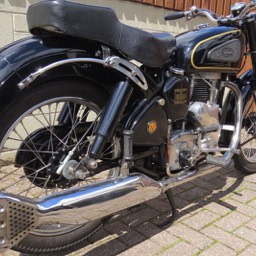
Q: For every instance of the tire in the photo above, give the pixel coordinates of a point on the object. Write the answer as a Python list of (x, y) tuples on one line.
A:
[(32, 131), (246, 160)]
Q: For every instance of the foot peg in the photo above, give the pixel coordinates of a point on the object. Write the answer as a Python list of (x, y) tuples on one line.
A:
[(220, 161), (209, 129)]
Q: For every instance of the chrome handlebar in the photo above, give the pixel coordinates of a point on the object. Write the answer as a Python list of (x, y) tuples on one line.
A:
[(194, 11)]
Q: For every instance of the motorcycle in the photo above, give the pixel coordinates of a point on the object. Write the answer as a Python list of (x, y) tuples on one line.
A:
[(97, 117)]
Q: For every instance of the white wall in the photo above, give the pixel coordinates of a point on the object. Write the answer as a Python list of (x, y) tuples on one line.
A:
[(13, 17)]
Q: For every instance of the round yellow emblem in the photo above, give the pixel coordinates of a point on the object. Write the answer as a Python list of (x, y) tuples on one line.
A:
[(152, 127)]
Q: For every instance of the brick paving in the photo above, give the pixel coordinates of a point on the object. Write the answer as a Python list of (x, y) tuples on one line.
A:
[(217, 217)]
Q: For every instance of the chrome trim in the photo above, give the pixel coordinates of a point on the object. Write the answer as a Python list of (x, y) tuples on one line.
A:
[(123, 66), (239, 114), (227, 127), (129, 69), (177, 71)]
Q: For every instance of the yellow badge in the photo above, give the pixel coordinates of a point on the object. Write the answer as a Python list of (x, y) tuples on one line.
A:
[(152, 127)]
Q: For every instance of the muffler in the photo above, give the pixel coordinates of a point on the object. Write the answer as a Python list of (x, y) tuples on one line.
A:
[(20, 215)]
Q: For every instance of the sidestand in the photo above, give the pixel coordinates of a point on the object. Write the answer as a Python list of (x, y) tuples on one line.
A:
[(172, 218)]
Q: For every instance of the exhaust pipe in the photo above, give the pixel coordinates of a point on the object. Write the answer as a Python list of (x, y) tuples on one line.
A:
[(20, 215)]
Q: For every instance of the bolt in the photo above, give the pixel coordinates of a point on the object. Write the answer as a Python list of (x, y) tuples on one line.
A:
[(2, 224), (2, 209), (161, 102), (134, 73), (2, 240), (92, 164), (80, 174)]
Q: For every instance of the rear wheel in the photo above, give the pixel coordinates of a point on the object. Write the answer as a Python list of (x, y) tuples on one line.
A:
[(36, 133), (246, 160)]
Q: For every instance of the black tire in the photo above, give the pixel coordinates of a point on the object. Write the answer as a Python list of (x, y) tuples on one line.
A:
[(245, 162), (62, 239)]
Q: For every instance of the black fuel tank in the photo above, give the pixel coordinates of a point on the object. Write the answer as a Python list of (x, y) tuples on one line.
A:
[(214, 48)]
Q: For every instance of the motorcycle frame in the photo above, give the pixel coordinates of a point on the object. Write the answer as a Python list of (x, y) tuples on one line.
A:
[(53, 54)]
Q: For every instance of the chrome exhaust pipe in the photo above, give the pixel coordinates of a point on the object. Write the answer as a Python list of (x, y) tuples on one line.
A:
[(20, 215)]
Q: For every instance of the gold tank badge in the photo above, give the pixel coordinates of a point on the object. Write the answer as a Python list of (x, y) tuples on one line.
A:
[(152, 127)]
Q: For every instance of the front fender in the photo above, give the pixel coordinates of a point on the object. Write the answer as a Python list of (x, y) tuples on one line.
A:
[(21, 58)]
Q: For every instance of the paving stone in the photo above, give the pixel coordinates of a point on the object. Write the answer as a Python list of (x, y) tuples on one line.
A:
[(246, 233), (125, 234), (201, 219), (176, 190), (186, 186), (226, 238), (205, 184), (252, 203), (250, 178), (218, 250), (140, 217), (148, 248), (191, 236), (244, 196), (252, 224), (211, 176), (159, 205), (110, 248), (194, 194), (157, 235), (217, 208), (179, 249), (242, 208), (249, 185), (250, 251), (181, 203), (232, 221)]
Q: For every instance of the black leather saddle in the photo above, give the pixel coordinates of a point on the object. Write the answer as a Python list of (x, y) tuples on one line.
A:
[(100, 24)]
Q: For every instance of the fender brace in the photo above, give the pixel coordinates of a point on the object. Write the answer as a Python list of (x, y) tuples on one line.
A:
[(123, 66)]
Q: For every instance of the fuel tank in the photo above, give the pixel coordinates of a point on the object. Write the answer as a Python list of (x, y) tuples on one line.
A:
[(214, 48)]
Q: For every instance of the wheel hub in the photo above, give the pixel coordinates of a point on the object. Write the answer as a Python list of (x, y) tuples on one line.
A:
[(40, 164)]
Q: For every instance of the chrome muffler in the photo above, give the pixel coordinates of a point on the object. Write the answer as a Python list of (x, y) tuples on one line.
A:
[(20, 215)]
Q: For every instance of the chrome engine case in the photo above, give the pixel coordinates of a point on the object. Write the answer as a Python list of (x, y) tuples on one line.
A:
[(207, 115), (187, 140)]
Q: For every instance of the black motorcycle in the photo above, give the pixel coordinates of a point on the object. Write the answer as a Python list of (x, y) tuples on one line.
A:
[(97, 116)]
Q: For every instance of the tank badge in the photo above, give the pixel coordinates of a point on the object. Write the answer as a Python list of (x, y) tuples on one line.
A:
[(228, 52), (181, 96), (152, 127)]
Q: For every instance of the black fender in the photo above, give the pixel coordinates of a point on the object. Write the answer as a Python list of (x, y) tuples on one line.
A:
[(21, 58), (247, 85)]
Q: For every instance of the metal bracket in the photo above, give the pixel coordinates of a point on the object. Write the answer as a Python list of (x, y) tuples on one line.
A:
[(129, 69), (123, 66)]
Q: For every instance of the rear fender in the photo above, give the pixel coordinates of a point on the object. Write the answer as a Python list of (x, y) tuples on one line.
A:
[(19, 59)]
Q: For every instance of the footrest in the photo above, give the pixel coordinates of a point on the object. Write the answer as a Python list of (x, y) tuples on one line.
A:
[(220, 161)]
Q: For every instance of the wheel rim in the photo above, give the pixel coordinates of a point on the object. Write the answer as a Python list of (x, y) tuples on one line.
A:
[(248, 132), (20, 178)]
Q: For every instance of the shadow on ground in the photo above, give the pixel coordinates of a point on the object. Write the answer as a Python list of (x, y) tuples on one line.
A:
[(138, 224)]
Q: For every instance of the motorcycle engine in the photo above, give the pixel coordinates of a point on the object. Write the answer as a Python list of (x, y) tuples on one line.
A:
[(184, 145)]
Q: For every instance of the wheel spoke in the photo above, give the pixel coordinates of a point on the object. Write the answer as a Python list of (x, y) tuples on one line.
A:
[(37, 143)]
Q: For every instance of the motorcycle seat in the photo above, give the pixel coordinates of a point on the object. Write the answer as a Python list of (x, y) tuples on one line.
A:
[(100, 24)]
